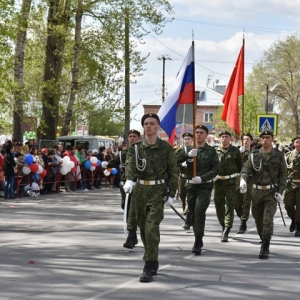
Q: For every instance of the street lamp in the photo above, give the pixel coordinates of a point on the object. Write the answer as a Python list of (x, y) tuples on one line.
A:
[(267, 100), (164, 58)]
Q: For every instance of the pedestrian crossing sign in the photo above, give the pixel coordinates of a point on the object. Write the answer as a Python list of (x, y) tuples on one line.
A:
[(266, 122)]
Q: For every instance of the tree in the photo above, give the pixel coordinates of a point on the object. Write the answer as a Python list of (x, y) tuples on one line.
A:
[(280, 66)]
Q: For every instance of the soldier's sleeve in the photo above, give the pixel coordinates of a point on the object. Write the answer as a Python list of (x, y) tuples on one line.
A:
[(215, 167), (282, 175), (130, 166), (172, 171), (239, 161), (181, 156), (246, 169)]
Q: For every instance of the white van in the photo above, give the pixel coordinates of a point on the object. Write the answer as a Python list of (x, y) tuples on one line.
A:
[(87, 141)]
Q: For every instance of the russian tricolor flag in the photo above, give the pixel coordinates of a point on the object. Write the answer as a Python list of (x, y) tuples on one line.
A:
[(182, 92)]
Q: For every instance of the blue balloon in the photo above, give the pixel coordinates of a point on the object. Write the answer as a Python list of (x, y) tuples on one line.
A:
[(28, 159), (87, 164), (99, 162), (114, 171)]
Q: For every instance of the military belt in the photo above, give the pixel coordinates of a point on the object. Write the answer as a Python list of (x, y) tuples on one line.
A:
[(293, 180), (191, 181), (150, 182), (263, 187), (228, 176)]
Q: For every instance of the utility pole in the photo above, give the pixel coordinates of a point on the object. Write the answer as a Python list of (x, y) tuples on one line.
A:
[(163, 58)]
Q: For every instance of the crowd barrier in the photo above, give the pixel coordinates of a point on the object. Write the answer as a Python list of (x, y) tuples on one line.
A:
[(57, 181)]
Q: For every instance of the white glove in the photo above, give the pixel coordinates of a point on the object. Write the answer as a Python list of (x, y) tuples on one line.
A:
[(197, 179), (243, 186), (192, 153), (128, 186), (242, 149), (184, 164), (169, 202), (104, 164), (278, 197)]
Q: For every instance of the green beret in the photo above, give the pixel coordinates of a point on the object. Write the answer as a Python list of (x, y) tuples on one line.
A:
[(134, 131), (202, 127), (225, 132), (187, 134), (267, 132), (151, 115)]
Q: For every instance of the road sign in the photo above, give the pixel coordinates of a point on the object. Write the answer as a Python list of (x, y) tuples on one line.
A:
[(266, 122)]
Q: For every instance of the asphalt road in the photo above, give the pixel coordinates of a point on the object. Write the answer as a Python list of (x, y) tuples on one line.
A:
[(69, 246)]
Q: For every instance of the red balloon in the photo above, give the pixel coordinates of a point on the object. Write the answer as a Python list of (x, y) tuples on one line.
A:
[(33, 168), (95, 164), (43, 174)]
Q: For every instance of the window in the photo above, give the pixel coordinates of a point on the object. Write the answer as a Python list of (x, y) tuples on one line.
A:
[(208, 117)]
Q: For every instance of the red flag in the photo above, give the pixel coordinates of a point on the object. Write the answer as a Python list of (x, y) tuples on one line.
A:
[(235, 88)]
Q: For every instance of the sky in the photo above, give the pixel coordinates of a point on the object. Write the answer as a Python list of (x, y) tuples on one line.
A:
[(218, 27)]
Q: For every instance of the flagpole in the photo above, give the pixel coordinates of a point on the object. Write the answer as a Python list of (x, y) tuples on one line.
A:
[(243, 97), (194, 113)]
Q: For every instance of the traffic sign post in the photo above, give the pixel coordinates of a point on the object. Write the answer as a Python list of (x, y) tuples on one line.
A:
[(266, 122)]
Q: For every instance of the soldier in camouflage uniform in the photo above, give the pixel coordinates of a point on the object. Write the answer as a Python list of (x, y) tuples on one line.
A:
[(269, 174), (292, 193), (152, 164), (187, 142), (225, 187), (199, 187), (243, 201), (120, 160)]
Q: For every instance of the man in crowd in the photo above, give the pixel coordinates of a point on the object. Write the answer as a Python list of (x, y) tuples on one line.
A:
[(199, 187), (267, 168), (292, 193), (243, 201), (152, 164), (225, 187)]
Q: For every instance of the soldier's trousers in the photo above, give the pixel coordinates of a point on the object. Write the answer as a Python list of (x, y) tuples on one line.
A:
[(198, 197), (292, 203), (264, 207), (149, 208), (224, 202), (243, 204), (182, 193)]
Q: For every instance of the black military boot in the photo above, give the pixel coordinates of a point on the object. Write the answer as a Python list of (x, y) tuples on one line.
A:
[(243, 226), (225, 233), (297, 232), (293, 226), (147, 274), (131, 240), (187, 224), (264, 249), (135, 239), (154, 268), (197, 245)]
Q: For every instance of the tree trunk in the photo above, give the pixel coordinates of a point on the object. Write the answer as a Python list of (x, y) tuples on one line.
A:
[(18, 109), (75, 70), (55, 46)]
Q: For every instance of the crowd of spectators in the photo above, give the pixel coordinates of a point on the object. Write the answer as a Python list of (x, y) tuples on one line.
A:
[(13, 180)]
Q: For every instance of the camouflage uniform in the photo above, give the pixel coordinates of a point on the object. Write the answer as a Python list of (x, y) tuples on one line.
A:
[(225, 187), (149, 199), (198, 195), (182, 188), (292, 193), (264, 203), (243, 201)]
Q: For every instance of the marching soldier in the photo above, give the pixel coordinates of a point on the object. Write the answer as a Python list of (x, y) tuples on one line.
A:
[(292, 193), (120, 160), (267, 168), (199, 187), (225, 187), (152, 164), (243, 201), (187, 142)]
